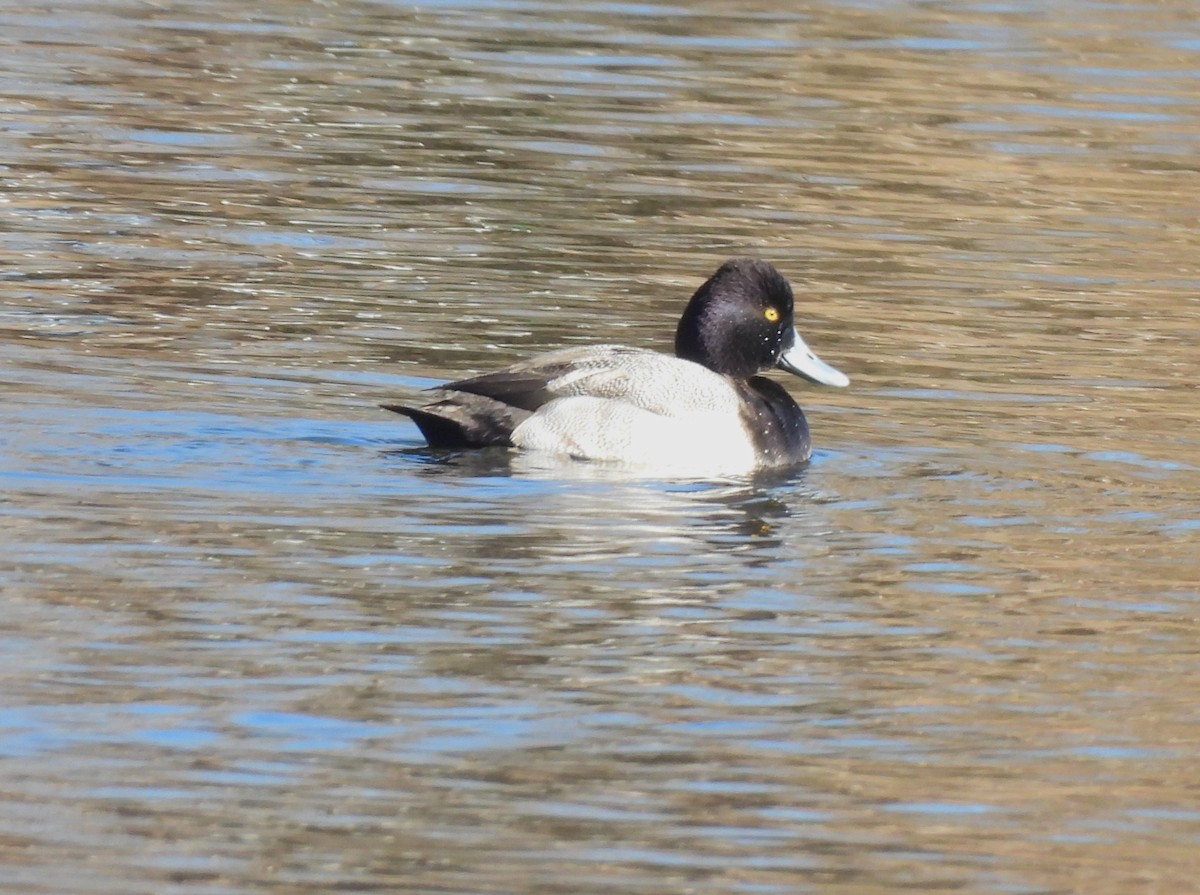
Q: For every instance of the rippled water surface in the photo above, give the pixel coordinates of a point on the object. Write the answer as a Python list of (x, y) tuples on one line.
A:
[(257, 639)]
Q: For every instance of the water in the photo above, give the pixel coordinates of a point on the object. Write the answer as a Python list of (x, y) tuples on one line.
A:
[(257, 639)]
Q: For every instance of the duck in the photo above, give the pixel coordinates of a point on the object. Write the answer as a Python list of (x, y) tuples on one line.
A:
[(708, 408)]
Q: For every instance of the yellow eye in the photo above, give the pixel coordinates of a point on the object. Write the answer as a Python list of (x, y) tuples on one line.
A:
[(772, 314)]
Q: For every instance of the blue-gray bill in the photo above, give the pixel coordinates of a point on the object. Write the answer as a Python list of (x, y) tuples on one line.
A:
[(801, 360)]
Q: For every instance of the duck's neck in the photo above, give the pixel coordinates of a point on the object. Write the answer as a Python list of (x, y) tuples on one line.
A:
[(704, 341)]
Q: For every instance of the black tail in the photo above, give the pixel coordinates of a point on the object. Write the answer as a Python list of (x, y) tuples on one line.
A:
[(462, 420)]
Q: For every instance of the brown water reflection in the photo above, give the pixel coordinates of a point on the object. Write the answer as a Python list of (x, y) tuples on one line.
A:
[(257, 640)]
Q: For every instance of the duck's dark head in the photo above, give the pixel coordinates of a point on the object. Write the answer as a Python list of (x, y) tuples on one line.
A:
[(740, 323)]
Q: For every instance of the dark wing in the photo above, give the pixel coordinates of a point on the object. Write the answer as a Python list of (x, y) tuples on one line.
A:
[(483, 410), (527, 390)]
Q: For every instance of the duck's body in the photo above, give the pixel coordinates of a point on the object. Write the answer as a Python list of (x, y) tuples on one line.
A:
[(611, 402), (706, 408)]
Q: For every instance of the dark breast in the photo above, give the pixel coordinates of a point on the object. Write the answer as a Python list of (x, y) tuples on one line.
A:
[(775, 422)]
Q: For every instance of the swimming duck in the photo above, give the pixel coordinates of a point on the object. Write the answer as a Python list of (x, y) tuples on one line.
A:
[(707, 408)]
